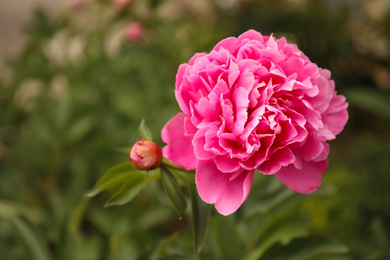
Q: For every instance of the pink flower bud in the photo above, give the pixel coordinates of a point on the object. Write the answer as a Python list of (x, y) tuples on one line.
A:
[(77, 5), (122, 4), (145, 155), (134, 31)]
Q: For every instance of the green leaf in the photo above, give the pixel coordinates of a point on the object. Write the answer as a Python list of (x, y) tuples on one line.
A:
[(304, 249), (282, 231), (163, 246), (378, 254), (227, 238), (80, 128), (144, 131), (30, 240), (76, 217), (70, 233), (268, 202), (370, 100), (134, 184), (66, 246), (379, 230), (112, 177), (9, 209), (173, 191), (334, 257), (200, 218), (176, 257)]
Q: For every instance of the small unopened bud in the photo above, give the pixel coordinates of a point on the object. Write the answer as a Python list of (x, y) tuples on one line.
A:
[(122, 4), (145, 155), (134, 31), (77, 5)]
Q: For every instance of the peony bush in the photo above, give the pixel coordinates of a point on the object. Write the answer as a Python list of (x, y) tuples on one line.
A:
[(253, 103)]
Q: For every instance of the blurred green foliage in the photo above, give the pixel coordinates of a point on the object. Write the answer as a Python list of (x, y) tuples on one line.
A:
[(75, 95)]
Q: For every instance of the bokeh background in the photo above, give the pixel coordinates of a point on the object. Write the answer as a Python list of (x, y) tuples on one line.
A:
[(77, 77)]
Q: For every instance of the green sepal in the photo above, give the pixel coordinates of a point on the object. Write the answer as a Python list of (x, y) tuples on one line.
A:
[(144, 131)]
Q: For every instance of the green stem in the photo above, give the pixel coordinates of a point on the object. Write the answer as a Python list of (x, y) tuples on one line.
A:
[(169, 165)]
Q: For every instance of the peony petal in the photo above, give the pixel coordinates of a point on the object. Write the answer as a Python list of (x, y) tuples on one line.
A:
[(324, 154), (228, 43), (234, 72), (293, 65), (182, 99), (251, 35), (261, 154), (194, 58), (336, 122), (179, 149), (311, 149), (210, 182), (216, 187), (241, 102), (320, 101), (199, 142), (282, 157), (305, 180), (336, 115), (288, 132), (226, 164), (208, 109), (189, 127), (235, 193)]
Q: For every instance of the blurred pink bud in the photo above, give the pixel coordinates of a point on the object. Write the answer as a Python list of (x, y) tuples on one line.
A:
[(122, 3), (77, 5), (134, 31), (145, 155)]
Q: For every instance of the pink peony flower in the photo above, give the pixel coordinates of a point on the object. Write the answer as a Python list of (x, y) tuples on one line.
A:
[(253, 103)]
